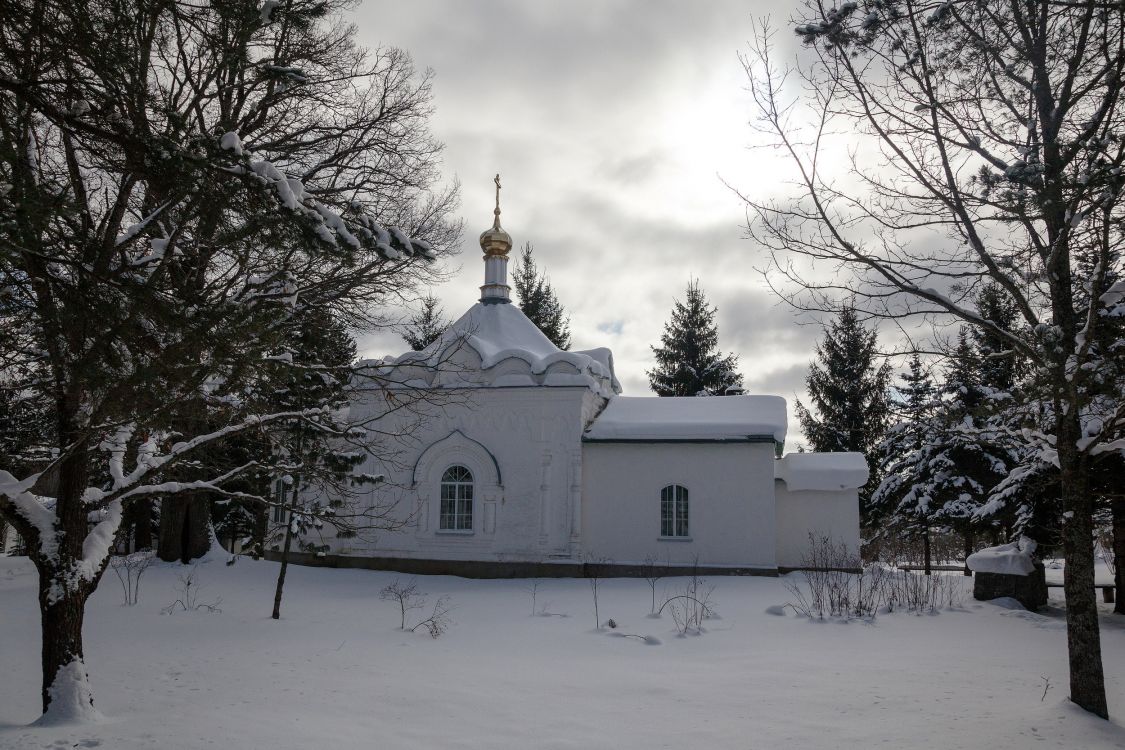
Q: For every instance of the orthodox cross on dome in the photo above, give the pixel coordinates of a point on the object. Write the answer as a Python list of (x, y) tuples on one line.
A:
[(495, 243), (496, 212)]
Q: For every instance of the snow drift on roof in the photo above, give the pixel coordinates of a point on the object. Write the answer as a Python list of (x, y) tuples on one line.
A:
[(501, 332), (687, 418), (822, 471)]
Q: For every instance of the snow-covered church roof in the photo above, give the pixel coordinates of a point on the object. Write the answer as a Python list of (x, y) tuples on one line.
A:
[(651, 418), (822, 471), (496, 345)]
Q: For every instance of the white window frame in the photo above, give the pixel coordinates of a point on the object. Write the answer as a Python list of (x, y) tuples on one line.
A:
[(675, 512), (279, 489), (459, 519)]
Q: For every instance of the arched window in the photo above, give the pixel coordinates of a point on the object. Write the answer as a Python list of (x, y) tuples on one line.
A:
[(674, 511), (456, 500)]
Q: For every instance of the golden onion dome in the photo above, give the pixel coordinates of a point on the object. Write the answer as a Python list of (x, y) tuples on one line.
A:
[(495, 241)]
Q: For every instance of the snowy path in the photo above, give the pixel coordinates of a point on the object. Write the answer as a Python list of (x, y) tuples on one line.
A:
[(335, 673)]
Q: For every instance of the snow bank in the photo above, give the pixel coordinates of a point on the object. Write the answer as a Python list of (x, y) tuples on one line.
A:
[(1007, 559), (502, 679), (688, 418), (822, 471)]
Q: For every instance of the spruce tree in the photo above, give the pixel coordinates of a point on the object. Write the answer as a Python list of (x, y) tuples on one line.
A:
[(901, 503), (315, 368), (966, 459), (1000, 366), (848, 389), (538, 301), (424, 328), (688, 362)]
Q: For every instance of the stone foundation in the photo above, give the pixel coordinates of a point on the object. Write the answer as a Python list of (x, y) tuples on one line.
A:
[(511, 568)]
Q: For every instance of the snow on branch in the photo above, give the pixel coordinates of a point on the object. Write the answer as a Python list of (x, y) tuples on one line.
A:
[(133, 231)]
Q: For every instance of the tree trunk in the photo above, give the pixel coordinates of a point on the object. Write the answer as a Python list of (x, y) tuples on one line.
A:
[(138, 525), (926, 550), (284, 566), (968, 549), (142, 528), (66, 689), (66, 692), (185, 528), (1118, 509), (1087, 680)]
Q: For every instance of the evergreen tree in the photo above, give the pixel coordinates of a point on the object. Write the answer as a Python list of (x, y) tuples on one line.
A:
[(538, 301), (315, 373), (688, 362), (967, 459), (1000, 366), (425, 327), (901, 502), (848, 389)]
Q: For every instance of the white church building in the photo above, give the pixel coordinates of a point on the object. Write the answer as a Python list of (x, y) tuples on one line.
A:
[(530, 461)]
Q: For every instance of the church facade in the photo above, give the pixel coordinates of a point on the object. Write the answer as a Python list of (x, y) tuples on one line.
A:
[(521, 459)]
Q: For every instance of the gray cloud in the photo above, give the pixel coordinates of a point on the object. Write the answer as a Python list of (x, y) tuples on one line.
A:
[(610, 123)]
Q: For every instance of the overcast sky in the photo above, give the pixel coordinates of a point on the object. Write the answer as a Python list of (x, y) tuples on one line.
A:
[(613, 124)]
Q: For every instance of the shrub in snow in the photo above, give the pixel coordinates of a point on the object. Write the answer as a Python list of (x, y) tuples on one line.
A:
[(188, 601), (691, 606), (918, 593), (836, 584), (651, 575), (129, 570), (438, 621), (593, 578)]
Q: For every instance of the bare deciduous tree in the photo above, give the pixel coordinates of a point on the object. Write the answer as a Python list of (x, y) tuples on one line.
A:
[(984, 144)]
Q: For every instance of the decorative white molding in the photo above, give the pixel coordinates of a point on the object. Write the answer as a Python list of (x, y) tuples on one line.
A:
[(456, 448)]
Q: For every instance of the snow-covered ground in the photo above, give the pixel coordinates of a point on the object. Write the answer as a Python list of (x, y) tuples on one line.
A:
[(335, 673)]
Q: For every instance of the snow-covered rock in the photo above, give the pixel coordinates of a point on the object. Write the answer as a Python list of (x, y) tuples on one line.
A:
[(1014, 559)]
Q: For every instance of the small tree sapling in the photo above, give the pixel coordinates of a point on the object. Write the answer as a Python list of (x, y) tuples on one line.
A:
[(409, 597), (406, 595)]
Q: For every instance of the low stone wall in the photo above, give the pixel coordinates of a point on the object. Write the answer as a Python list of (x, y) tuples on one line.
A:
[(1029, 590)]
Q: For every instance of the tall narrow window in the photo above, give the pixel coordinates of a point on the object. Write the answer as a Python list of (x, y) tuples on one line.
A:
[(456, 499), (279, 496), (674, 511)]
